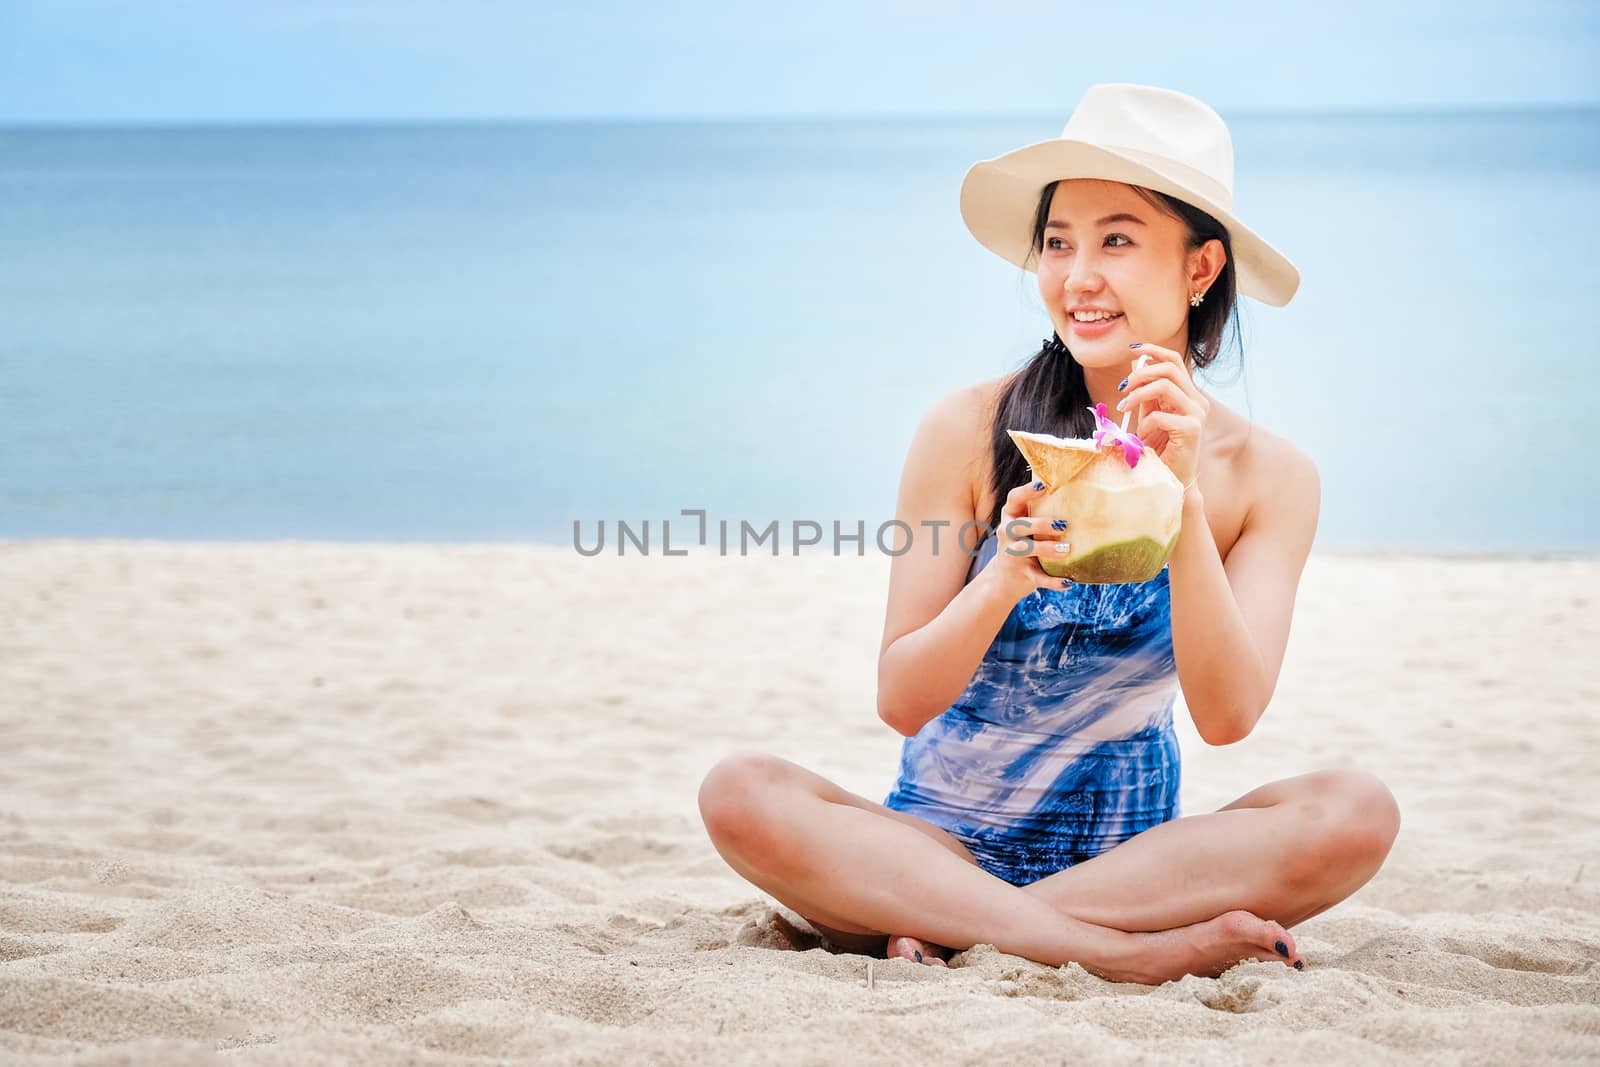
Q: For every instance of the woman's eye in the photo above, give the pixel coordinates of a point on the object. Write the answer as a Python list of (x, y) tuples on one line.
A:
[(1055, 244)]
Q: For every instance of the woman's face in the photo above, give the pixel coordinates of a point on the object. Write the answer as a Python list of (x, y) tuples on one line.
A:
[(1136, 267)]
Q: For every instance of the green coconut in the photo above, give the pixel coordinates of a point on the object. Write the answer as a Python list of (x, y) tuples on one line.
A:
[(1123, 521)]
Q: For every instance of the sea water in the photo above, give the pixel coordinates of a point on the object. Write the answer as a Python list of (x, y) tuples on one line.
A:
[(486, 332)]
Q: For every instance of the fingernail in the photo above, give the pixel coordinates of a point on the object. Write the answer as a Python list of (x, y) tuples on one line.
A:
[(1299, 965), (1121, 404), (1136, 344), (918, 955), (1283, 950), (1060, 524), (1066, 583), (1122, 385), (1063, 547), (1038, 485)]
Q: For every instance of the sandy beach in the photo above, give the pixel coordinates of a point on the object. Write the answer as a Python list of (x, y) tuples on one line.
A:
[(345, 803)]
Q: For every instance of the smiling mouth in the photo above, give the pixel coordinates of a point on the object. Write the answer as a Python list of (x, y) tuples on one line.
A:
[(1093, 323)]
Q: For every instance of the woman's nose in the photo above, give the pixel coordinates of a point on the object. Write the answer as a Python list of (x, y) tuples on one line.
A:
[(1083, 276)]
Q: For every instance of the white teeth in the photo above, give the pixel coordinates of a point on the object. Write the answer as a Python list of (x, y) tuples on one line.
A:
[(1094, 316)]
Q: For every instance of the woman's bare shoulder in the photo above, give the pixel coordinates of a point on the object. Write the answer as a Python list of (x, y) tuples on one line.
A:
[(1270, 459), (1248, 472), (958, 422), (1254, 456), (1272, 470), (961, 422), (972, 405)]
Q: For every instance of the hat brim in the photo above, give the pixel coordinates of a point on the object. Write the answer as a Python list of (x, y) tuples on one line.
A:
[(1000, 196)]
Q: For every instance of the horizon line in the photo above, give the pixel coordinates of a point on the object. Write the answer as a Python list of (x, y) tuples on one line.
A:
[(746, 118)]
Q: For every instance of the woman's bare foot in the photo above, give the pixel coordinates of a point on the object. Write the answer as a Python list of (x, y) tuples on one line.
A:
[(1209, 948), (918, 951)]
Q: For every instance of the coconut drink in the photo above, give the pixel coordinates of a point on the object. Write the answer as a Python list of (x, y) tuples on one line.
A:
[(1123, 503)]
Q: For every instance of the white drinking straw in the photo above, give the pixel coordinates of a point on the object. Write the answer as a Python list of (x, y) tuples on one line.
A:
[(1136, 365)]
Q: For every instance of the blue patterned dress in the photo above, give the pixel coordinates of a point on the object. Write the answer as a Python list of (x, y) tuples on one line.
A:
[(1062, 745)]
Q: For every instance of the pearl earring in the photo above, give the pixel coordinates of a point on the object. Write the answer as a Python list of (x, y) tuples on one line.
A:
[(1194, 301)]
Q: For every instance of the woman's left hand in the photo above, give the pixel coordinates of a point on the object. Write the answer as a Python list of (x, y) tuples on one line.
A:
[(1169, 409)]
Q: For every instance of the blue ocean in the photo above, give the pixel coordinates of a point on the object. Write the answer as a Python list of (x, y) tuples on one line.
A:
[(486, 332)]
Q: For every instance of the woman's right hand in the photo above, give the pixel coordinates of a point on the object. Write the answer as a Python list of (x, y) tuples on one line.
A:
[(1022, 538)]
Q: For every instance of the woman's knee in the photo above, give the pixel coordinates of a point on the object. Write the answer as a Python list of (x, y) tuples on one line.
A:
[(1351, 820), (737, 793)]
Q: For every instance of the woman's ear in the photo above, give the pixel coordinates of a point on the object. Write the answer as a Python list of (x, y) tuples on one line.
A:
[(1205, 263)]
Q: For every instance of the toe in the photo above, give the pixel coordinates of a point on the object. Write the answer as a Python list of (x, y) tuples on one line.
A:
[(916, 950), (909, 948), (1283, 944), (1274, 940)]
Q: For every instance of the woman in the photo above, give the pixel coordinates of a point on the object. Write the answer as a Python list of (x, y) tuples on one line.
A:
[(1036, 808)]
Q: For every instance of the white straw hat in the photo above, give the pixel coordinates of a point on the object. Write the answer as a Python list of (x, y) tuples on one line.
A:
[(1138, 134)]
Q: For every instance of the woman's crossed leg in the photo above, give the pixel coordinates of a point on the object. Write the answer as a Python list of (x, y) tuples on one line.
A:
[(867, 876)]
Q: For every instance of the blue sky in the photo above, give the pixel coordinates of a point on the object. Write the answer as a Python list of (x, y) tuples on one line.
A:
[(258, 60)]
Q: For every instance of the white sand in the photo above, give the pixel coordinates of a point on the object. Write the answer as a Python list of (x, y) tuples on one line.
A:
[(302, 803)]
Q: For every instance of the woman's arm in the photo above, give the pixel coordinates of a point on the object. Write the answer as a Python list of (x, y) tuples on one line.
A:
[(920, 673), (1230, 621), (936, 629)]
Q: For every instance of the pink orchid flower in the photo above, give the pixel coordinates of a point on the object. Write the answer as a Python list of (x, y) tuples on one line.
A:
[(1132, 447)]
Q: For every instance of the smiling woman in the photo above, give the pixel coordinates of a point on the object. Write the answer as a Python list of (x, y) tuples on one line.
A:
[(1037, 803), (1150, 267)]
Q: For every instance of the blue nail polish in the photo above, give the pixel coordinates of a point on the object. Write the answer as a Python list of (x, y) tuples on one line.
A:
[(1299, 965), (1059, 524), (1137, 344), (1122, 385), (1038, 485), (1066, 584), (918, 955), (1283, 950)]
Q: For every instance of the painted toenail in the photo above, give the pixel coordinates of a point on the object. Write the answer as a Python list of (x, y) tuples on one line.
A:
[(919, 957), (1283, 950), (1299, 965)]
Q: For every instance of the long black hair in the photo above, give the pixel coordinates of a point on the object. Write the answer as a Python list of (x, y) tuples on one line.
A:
[(1048, 394)]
